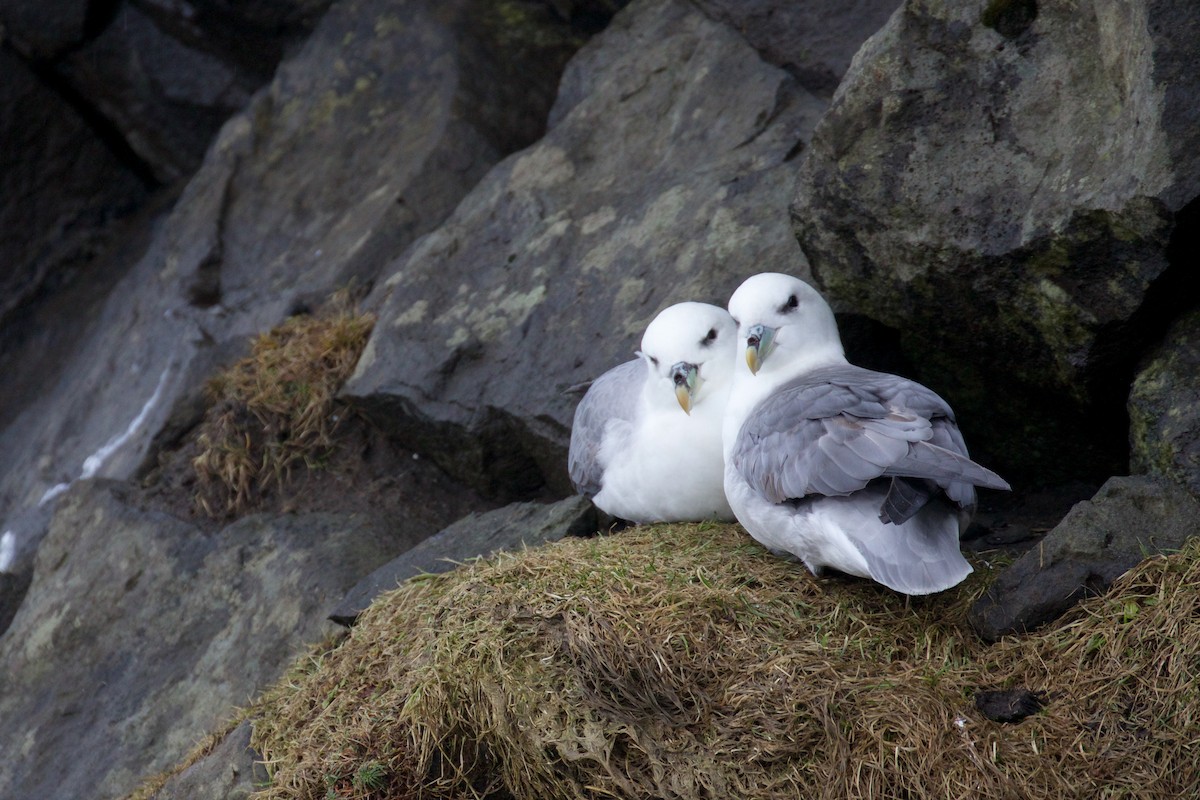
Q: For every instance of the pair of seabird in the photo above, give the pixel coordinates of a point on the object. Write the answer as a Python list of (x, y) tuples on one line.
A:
[(839, 466)]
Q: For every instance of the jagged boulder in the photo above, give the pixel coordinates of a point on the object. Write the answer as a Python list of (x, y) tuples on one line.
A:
[(232, 770), (814, 41), (1129, 519), (157, 78), (1164, 408), (511, 527), (656, 183), (141, 629), (60, 187), (1012, 188), (367, 137)]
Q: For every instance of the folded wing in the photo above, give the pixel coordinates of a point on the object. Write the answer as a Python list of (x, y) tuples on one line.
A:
[(835, 430), (609, 406)]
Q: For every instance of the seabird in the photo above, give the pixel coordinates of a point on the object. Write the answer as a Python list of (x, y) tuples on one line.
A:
[(646, 440), (839, 466)]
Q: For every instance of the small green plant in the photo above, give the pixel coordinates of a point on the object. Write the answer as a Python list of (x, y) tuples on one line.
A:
[(371, 776)]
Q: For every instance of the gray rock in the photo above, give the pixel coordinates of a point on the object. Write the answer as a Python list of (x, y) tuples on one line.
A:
[(43, 30), (1003, 191), (140, 629), (157, 79), (509, 528), (167, 99), (232, 770), (1164, 408), (663, 178), (814, 41), (365, 140), (17, 574), (1129, 519), (59, 188)]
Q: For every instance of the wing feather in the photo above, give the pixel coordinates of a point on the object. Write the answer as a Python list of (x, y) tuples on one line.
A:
[(611, 400), (835, 430)]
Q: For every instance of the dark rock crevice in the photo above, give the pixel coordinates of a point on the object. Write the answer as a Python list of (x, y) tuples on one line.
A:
[(103, 127)]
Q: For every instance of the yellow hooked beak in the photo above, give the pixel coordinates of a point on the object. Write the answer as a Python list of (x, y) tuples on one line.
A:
[(760, 340), (687, 380)]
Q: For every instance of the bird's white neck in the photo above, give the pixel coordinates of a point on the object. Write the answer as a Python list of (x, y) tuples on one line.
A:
[(750, 389)]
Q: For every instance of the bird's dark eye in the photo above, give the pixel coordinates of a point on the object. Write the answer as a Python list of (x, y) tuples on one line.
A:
[(710, 338), (791, 303), (654, 361)]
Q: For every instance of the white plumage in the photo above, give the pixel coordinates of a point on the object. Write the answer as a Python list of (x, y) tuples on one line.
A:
[(646, 440)]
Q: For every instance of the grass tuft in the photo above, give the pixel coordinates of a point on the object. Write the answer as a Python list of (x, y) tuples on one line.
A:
[(276, 408)]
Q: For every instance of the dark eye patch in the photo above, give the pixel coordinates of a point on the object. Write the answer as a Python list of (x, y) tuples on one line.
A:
[(790, 305), (710, 338)]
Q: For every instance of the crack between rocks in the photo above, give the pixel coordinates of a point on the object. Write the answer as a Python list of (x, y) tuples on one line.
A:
[(98, 16)]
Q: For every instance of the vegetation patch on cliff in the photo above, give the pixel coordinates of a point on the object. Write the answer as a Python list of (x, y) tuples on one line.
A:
[(277, 407), (684, 661)]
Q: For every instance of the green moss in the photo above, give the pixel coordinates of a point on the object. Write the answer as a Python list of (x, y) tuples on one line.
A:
[(517, 25), (1051, 262)]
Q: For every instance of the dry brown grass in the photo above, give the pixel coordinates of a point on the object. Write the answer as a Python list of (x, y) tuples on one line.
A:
[(276, 408), (685, 662)]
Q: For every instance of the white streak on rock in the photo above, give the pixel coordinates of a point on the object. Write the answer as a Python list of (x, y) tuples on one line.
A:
[(8, 550), (53, 492), (92, 463)]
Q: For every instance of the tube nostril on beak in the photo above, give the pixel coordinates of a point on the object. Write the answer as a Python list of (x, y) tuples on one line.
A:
[(752, 340), (680, 378)]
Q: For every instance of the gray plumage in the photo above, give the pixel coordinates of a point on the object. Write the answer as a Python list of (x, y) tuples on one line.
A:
[(833, 431), (646, 443), (608, 408), (840, 466)]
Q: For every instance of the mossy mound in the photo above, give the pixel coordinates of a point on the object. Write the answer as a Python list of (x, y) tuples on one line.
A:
[(686, 662)]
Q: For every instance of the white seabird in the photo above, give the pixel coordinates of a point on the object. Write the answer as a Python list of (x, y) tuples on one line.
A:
[(837, 465), (646, 441)]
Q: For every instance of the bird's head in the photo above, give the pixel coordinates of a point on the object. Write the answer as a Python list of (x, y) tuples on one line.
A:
[(783, 319), (689, 350)]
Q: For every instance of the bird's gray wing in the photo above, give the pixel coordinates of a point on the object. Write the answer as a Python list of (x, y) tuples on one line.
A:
[(835, 430), (608, 406)]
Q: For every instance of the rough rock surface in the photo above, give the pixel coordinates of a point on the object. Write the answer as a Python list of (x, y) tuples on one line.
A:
[(1034, 173), (511, 527), (156, 79), (59, 186), (1022, 176), (546, 275), (141, 629), (366, 139), (13, 586), (1164, 408), (168, 101), (813, 40), (231, 771), (1129, 519)]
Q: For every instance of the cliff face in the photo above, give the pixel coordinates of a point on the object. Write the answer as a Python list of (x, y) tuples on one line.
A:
[(1000, 202)]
